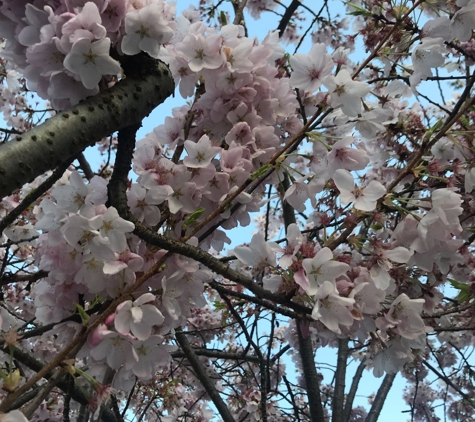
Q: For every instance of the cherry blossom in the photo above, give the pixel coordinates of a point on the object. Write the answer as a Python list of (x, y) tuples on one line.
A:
[(113, 227), (200, 153), (202, 53), (357, 188), (138, 317), (114, 348), (143, 202), (294, 241), (404, 314), (147, 355), (462, 22), (363, 199), (321, 268), (331, 309), (309, 70), (91, 61), (425, 56), (259, 252), (346, 92), (86, 24), (146, 29)]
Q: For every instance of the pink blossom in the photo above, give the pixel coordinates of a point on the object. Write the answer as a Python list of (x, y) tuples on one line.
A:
[(259, 253), (114, 348), (142, 202), (309, 70), (113, 227), (462, 23), (147, 355), (91, 61), (405, 316), (346, 92), (343, 157), (364, 199), (200, 153), (202, 53), (146, 29), (331, 309), (322, 268), (300, 192), (86, 24), (294, 241), (138, 317)]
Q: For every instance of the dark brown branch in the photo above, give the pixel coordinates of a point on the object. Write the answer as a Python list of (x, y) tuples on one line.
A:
[(55, 378), (340, 375), (85, 167), (311, 376), (8, 278), (353, 389), (447, 380), (257, 351), (218, 354), (202, 375), (265, 303), (287, 16), (239, 13), (380, 398)]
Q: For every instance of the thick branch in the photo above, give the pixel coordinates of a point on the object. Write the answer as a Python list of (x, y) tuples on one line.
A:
[(353, 389), (218, 354), (43, 393), (311, 377), (339, 391), (287, 16), (381, 395), (85, 166), (70, 132), (201, 374)]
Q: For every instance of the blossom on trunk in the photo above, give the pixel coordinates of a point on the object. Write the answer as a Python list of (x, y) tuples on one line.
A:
[(91, 61), (146, 29)]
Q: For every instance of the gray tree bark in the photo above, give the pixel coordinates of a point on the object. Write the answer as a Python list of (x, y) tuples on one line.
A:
[(147, 84)]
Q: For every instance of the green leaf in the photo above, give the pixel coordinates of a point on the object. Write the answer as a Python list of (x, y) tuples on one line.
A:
[(263, 170), (464, 294), (434, 128), (359, 11), (82, 313), (218, 305), (223, 18), (193, 217)]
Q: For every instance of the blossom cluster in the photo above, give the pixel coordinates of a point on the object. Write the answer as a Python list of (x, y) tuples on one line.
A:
[(63, 48), (333, 140)]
